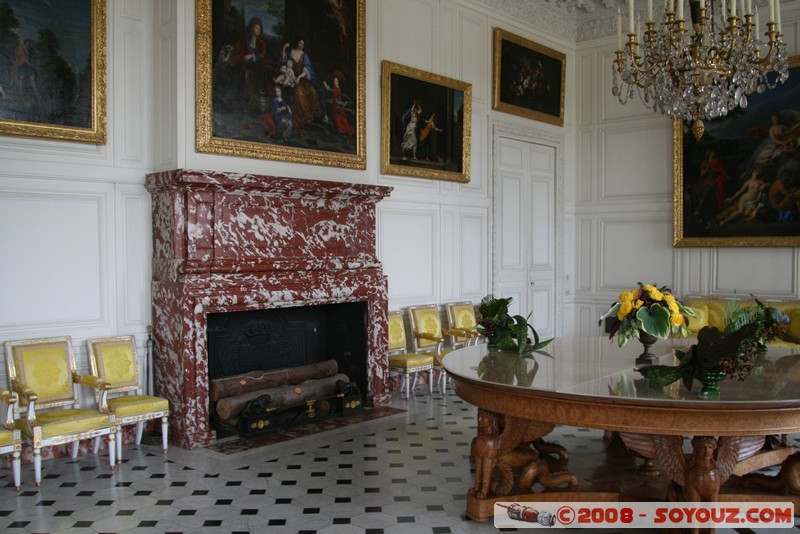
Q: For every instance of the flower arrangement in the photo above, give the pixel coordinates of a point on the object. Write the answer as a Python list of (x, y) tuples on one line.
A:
[(734, 353), (505, 332), (650, 309)]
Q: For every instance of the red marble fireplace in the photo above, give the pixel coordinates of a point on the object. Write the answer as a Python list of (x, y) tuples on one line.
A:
[(225, 242)]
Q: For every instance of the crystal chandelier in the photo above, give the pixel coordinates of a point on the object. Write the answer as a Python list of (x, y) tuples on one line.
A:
[(704, 71)]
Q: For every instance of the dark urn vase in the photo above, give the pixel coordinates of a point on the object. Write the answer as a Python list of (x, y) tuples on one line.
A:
[(648, 340)]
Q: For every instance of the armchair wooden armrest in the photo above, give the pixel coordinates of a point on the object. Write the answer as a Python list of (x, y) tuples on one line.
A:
[(10, 400), (91, 381), (99, 385), (426, 335), (23, 390), (462, 332)]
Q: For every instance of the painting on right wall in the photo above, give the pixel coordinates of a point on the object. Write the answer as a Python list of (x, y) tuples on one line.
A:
[(739, 184)]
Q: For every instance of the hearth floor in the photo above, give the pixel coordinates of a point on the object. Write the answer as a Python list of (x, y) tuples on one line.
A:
[(405, 473)]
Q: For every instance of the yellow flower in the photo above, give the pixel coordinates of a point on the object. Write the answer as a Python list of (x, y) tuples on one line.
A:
[(638, 304), (626, 296), (655, 294), (670, 300), (676, 319), (649, 288), (624, 309)]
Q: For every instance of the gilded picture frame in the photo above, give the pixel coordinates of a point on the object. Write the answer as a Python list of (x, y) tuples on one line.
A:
[(528, 78), (53, 81), (739, 184), (426, 123), (292, 89)]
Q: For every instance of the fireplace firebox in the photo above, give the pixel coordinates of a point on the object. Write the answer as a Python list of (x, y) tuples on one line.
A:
[(275, 338), (227, 243)]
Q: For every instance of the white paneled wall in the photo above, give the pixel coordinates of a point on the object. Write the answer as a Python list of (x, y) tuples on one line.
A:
[(623, 206)]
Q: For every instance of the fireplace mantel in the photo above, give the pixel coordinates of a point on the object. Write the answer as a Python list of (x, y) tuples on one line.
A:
[(231, 242)]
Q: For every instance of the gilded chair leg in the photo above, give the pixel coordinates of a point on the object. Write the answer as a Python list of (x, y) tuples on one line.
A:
[(37, 466), (75, 445), (15, 463), (97, 444), (164, 434), (408, 385), (430, 381)]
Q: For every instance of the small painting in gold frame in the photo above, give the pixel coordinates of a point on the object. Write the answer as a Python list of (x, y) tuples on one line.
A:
[(425, 124), (528, 78)]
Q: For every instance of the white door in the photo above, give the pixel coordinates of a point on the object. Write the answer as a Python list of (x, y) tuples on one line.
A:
[(524, 215)]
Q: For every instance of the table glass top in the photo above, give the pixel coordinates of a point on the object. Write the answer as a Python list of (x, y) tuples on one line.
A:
[(598, 367)]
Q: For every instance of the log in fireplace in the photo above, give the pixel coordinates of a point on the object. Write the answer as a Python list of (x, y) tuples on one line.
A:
[(225, 242)]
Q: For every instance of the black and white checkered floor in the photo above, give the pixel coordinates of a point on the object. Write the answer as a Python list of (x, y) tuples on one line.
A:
[(406, 473)]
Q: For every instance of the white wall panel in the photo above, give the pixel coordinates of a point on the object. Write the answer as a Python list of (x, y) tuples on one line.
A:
[(587, 170), (408, 245), (474, 257), (409, 32), (472, 58), (635, 162), (586, 104), (133, 258), (57, 276), (634, 249), (128, 127), (777, 277), (584, 255)]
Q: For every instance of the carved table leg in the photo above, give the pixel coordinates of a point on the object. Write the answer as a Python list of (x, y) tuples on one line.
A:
[(503, 448)]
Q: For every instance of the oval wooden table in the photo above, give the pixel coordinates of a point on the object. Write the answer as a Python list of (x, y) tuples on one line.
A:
[(591, 382)]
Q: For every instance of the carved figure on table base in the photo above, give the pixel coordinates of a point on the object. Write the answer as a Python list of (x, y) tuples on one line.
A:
[(699, 478), (787, 480), (508, 452)]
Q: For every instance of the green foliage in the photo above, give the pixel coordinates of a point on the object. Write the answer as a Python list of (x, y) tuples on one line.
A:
[(654, 320), (504, 331)]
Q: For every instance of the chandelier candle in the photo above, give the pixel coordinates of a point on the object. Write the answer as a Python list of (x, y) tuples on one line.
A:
[(701, 68)]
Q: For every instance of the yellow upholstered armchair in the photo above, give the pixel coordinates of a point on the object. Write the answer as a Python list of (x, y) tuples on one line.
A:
[(400, 360), (42, 372), (10, 438), (428, 337), (116, 361), (463, 325)]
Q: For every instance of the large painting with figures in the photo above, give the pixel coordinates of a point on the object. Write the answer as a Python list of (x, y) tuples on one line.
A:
[(739, 184), (282, 80)]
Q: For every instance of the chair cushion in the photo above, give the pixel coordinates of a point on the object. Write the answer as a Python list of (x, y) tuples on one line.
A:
[(68, 422), (409, 361), (794, 327), (6, 437), (127, 406), (696, 323)]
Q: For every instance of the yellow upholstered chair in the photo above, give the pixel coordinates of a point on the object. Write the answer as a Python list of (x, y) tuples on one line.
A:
[(116, 361), (427, 337), (462, 324), (10, 438), (400, 360), (42, 372)]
